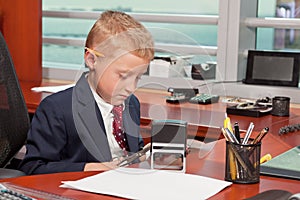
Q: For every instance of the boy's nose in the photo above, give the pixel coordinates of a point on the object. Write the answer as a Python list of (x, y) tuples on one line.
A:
[(131, 86)]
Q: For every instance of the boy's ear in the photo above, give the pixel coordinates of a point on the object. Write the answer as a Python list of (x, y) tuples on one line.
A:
[(90, 60)]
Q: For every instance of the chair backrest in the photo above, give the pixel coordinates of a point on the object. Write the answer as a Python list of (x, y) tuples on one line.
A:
[(14, 118)]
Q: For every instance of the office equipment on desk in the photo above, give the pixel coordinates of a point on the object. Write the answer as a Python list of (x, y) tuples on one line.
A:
[(272, 194), (248, 133), (149, 184), (130, 159), (234, 135), (231, 101), (281, 106), (168, 145), (245, 158), (23, 193), (168, 66), (180, 94), (285, 165), (8, 194), (176, 98), (237, 131), (204, 71), (204, 99), (227, 123), (242, 156), (52, 89), (231, 137), (227, 130), (265, 158), (260, 135), (251, 109), (273, 68)]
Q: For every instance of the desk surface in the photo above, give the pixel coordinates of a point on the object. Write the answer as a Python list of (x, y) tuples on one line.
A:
[(210, 163), (204, 120)]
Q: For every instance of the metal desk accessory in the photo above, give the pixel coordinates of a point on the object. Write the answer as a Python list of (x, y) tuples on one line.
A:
[(168, 145)]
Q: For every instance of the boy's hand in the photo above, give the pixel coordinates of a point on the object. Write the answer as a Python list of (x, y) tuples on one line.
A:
[(146, 148), (104, 166)]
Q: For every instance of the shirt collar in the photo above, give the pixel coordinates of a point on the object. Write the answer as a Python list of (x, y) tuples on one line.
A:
[(104, 107)]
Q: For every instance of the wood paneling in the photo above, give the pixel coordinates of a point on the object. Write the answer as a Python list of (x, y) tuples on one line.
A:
[(21, 26)]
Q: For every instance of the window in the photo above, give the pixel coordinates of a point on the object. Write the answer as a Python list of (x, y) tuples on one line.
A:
[(218, 30), (64, 36), (272, 38)]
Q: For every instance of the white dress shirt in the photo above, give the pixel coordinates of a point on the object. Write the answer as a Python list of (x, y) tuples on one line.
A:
[(105, 109)]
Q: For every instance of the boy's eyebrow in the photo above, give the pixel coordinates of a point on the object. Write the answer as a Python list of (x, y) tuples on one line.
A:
[(129, 72)]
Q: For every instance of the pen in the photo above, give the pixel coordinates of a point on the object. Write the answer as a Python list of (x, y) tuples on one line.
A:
[(261, 135), (248, 133), (128, 160), (225, 134), (228, 135), (237, 131), (231, 136)]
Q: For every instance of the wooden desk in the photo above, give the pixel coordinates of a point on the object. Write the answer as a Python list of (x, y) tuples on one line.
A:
[(208, 162), (153, 106), (204, 120)]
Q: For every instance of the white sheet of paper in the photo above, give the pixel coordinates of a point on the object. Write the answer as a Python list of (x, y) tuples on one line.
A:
[(52, 88), (135, 183)]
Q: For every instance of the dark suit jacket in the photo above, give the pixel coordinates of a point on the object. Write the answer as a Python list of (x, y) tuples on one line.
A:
[(67, 131)]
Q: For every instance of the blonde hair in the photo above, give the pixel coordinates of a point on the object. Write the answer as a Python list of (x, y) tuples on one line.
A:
[(116, 30)]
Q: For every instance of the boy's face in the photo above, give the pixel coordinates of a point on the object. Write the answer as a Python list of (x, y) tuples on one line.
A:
[(119, 79)]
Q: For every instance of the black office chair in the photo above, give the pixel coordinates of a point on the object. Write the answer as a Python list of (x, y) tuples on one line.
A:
[(14, 117)]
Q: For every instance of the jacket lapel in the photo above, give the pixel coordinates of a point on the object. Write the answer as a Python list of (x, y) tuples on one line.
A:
[(86, 121)]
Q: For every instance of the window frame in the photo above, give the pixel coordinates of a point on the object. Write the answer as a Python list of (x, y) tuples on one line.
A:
[(237, 22), (52, 73)]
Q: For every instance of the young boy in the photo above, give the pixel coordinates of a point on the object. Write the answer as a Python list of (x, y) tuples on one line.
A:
[(73, 130)]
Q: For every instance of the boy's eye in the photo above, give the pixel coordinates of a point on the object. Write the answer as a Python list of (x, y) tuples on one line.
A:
[(130, 75), (123, 75)]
